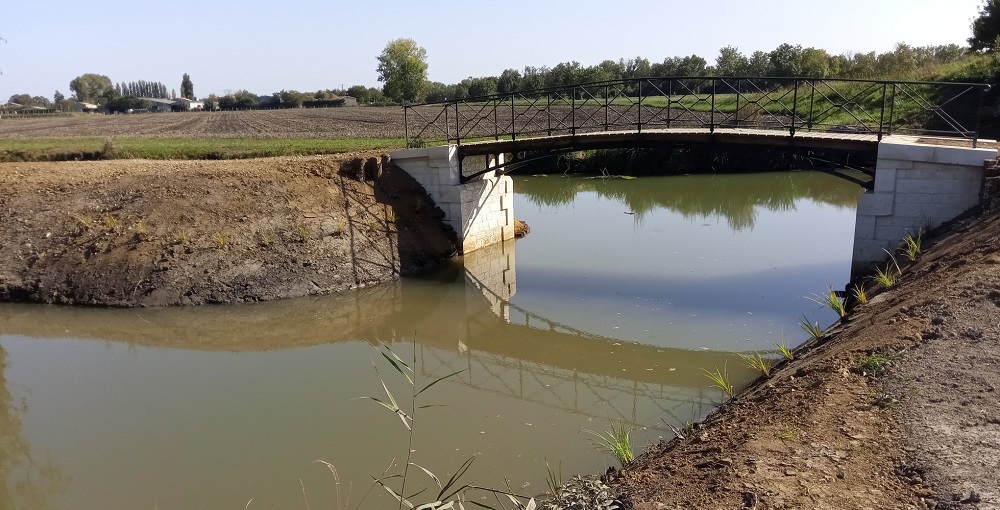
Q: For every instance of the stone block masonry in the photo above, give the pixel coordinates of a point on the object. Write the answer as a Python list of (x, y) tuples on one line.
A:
[(490, 273), (917, 187), (480, 211)]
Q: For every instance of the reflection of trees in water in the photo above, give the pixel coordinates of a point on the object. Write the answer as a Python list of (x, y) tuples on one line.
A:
[(734, 197), (24, 483)]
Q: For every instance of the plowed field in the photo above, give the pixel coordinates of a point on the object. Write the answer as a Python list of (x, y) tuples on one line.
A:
[(381, 122)]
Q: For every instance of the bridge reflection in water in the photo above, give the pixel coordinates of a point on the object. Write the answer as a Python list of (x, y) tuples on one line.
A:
[(187, 415), (220, 404), (505, 349)]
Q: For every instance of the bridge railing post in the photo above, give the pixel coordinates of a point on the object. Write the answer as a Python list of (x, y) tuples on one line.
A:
[(892, 109), (572, 102), (513, 117), (795, 105), (979, 118), (711, 128), (606, 94), (812, 104), (548, 109), (639, 120), (670, 101), (881, 120)]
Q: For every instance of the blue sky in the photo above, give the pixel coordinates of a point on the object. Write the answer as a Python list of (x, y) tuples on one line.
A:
[(266, 46)]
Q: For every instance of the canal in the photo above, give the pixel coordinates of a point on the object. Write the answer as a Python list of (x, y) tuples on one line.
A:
[(607, 312)]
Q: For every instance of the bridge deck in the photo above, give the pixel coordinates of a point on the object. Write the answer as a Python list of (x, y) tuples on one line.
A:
[(827, 140)]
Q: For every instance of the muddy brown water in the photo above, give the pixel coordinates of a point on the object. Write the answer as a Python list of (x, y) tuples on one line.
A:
[(623, 292)]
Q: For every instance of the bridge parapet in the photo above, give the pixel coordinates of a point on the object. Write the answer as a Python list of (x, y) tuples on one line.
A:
[(917, 187), (481, 211)]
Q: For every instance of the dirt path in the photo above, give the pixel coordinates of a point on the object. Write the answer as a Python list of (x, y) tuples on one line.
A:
[(825, 431), (148, 233)]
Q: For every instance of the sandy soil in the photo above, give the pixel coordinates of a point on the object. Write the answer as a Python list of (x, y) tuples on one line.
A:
[(149, 233)]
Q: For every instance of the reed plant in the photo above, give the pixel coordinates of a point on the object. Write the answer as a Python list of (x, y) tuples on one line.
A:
[(720, 379), (813, 328), (912, 245), (886, 277), (860, 294), (616, 441), (785, 351), (553, 478), (451, 492), (758, 363), (829, 300)]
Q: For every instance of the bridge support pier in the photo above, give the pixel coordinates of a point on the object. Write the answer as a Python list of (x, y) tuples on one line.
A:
[(917, 187), (481, 211)]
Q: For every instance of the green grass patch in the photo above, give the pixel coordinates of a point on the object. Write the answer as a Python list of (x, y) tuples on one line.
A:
[(875, 364), (82, 149)]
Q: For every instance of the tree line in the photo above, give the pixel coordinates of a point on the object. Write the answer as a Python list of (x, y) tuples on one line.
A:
[(787, 60), (402, 66)]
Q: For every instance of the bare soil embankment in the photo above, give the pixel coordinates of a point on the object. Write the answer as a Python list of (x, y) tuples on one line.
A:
[(152, 233)]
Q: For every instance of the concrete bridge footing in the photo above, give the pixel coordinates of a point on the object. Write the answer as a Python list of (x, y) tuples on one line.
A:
[(917, 187), (481, 211)]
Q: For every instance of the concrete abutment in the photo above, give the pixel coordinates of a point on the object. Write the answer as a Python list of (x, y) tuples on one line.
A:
[(480, 211), (917, 187)]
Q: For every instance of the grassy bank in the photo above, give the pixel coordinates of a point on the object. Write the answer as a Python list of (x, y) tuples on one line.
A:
[(82, 149)]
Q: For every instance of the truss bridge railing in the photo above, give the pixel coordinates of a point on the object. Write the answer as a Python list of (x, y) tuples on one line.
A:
[(788, 105), (601, 397)]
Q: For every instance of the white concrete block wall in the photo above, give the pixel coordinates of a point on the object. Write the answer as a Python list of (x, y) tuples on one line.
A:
[(481, 211), (917, 187)]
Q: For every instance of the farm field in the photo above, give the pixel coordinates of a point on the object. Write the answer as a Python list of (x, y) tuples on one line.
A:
[(341, 123), (201, 135)]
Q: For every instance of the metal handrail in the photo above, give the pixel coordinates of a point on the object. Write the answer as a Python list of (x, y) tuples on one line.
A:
[(877, 107)]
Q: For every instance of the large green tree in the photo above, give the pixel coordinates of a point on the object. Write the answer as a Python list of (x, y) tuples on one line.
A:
[(90, 87), (187, 87), (986, 28), (731, 62), (402, 67), (21, 99)]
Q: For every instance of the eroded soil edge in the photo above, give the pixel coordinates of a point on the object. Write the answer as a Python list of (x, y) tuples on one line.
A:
[(152, 233)]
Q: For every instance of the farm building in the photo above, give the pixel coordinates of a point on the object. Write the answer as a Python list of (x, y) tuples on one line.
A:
[(160, 105), (191, 103), (17, 109), (174, 105)]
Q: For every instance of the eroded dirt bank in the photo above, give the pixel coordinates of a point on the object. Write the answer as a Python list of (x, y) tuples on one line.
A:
[(826, 432), (151, 233)]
